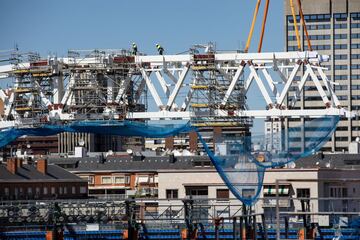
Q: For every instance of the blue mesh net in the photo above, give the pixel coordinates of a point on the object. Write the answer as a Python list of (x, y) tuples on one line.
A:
[(236, 166), (240, 161), (123, 128), (285, 146)]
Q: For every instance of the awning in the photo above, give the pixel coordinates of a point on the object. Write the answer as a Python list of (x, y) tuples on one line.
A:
[(271, 189)]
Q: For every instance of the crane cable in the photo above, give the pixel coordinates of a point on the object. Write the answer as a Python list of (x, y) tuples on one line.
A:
[(304, 25), (252, 26), (263, 25), (295, 24)]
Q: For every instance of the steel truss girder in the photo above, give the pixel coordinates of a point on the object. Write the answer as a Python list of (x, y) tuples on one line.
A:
[(255, 68)]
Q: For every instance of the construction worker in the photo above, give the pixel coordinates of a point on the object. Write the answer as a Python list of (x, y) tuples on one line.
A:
[(160, 49), (134, 48)]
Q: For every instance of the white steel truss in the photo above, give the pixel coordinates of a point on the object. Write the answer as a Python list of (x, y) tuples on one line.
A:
[(116, 86)]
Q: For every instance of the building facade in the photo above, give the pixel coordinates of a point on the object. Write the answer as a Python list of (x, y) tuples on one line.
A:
[(20, 181), (334, 30)]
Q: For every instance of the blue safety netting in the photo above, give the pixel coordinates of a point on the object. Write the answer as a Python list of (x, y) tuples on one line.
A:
[(241, 161), (123, 128), (276, 149), (235, 165)]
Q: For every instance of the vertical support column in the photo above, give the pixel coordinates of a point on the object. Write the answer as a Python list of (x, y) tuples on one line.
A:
[(254, 236), (242, 235), (234, 228), (265, 235), (131, 217), (286, 227), (188, 207), (109, 90), (217, 222), (277, 211)]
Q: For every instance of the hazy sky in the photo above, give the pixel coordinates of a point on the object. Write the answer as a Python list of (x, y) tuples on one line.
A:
[(56, 26)]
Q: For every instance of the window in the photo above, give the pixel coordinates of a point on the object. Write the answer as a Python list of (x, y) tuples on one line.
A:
[(355, 35), (52, 190), (341, 77), (6, 191), (355, 87), (338, 192), (318, 27), (29, 190), (197, 191), (248, 192), (343, 97), (73, 190), (341, 67), (341, 139), (172, 194), (355, 56), (119, 180), (355, 16), (65, 190), (303, 192), (91, 180), (45, 191), (37, 191), (60, 190), (317, 17), (340, 36), (222, 194), (341, 87), (340, 16), (106, 180), (127, 179), (340, 26), (83, 190), (340, 46), (341, 129), (340, 56)]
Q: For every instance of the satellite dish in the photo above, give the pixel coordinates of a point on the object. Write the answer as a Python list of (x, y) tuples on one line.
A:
[(328, 165), (357, 139), (81, 142), (129, 151)]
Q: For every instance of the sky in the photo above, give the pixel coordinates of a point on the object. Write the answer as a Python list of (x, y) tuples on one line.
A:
[(53, 27)]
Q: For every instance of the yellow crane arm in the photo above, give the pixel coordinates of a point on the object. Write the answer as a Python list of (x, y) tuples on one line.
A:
[(304, 25), (295, 25), (252, 26), (263, 25)]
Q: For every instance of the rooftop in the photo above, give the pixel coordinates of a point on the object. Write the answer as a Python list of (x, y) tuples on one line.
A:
[(29, 172), (152, 163)]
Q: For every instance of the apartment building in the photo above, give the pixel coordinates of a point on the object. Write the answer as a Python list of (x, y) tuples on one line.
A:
[(334, 30)]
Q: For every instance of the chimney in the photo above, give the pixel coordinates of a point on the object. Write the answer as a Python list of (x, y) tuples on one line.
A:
[(193, 141), (19, 163), (169, 143), (42, 166), (11, 165)]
